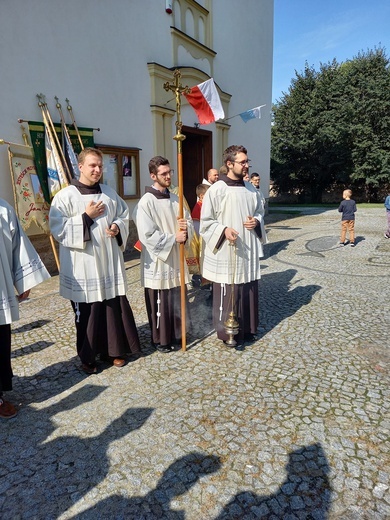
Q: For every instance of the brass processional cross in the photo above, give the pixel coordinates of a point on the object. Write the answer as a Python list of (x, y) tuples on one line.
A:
[(178, 90)]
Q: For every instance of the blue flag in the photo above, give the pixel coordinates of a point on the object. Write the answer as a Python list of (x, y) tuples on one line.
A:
[(253, 113)]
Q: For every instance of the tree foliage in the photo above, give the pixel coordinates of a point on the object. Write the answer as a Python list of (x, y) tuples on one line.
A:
[(332, 128)]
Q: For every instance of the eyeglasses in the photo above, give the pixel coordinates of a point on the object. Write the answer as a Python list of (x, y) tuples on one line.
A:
[(243, 163), (165, 174)]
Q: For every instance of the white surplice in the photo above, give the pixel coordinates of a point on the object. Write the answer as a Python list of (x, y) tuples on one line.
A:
[(224, 206), (21, 267), (156, 221), (92, 270)]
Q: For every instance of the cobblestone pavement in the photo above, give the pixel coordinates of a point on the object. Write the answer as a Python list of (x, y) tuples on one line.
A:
[(292, 426)]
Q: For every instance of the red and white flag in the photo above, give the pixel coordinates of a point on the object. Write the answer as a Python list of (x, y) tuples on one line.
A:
[(205, 100)]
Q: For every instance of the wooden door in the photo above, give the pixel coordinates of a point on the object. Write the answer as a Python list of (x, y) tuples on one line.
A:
[(197, 160)]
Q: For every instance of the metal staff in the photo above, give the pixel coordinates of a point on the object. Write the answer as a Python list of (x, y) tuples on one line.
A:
[(59, 108), (49, 122), (47, 118), (24, 135), (71, 154), (2, 141), (70, 110), (178, 89), (26, 121)]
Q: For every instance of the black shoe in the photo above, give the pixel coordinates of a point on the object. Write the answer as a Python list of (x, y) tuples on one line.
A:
[(165, 348), (250, 337), (196, 280), (89, 368)]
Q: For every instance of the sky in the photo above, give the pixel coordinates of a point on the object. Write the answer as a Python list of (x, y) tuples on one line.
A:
[(318, 31)]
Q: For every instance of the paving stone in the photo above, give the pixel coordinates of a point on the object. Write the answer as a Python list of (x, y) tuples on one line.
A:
[(294, 425)]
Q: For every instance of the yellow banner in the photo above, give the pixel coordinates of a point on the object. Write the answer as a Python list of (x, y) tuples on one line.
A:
[(29, 201)]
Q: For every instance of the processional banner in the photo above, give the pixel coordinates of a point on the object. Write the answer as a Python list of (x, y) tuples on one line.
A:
[(37, 135), (30, 202)]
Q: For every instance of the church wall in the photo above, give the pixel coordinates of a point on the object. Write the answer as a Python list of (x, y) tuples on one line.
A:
[(96, 53)]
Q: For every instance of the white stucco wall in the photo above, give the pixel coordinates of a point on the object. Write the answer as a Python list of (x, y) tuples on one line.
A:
[(244, 43), (96, 52)]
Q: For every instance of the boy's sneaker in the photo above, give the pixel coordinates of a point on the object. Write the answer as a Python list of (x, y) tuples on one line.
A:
[(386, 235), (352, 244), (343, 243)]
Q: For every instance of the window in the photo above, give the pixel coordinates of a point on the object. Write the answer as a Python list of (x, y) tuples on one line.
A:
[(121, 170)]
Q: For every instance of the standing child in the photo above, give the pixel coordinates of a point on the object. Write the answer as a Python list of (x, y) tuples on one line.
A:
[(195, 214), (348, 209), (200, 191)]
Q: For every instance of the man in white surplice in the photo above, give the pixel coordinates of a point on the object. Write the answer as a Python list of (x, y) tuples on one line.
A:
[(21, 269), (90, 222), (160, 233), (232, 228)]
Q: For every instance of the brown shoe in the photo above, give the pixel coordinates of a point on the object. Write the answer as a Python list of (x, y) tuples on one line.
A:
[(7, 410), (118, 362)]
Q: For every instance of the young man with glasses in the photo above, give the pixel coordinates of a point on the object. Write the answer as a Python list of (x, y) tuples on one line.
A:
[(232, 227), (160, 233)]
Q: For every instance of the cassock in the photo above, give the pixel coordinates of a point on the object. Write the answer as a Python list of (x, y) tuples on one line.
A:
[(92, 270), (156, 219), (228, 203), (20, 270)]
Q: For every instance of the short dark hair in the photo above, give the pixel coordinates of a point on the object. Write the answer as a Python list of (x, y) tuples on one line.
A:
[(254, 174), (230, 153), (155, 162)]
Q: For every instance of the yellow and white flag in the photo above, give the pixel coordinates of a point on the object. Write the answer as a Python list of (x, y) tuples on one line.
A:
[(29, 201)]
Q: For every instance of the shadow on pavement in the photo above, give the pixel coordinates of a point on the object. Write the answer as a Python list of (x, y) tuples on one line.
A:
[(180, 476), (29, 326), (44, 477), (306, 492), (274, 248), (31, 349), (278, 300)]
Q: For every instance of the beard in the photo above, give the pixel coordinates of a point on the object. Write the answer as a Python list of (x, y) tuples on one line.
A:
[(163, 183)]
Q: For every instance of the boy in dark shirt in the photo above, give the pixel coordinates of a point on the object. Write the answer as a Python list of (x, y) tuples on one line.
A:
[(348, 209)]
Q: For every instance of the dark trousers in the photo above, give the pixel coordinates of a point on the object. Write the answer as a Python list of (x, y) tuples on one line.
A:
[(5, 358), (107, 328), (244, 304), (166, 328)]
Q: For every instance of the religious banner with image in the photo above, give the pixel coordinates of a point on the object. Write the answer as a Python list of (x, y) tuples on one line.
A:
[(30, 202)]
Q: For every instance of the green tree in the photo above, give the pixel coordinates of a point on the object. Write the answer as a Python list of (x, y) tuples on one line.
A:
[(332, 127), (367, 111)]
